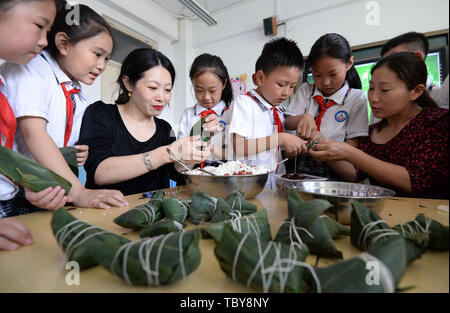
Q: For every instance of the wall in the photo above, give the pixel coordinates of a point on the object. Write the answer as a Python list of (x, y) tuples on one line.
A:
[(239, 37)]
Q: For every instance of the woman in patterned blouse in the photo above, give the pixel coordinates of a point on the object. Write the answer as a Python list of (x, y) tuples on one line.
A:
[(408, 149)]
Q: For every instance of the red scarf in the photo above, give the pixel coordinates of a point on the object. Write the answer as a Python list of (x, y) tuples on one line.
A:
[(8, 123), (323, 108), (69, 110)]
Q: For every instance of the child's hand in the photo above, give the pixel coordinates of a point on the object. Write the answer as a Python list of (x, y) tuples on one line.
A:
[(292, 144), (188, 149), (82, 155), (50, 198), (316, 136), (305, 126), (13, 234), (212, 124)]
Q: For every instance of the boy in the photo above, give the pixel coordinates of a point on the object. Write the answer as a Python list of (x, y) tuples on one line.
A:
[(417, 43), (257, 119)]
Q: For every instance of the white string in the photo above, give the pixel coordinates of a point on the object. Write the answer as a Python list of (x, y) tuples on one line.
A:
[(213, 204), (144, 252), (366, 233), (185, 205), (62, 234), (149, 212), (283, 266), (179, 226), (418, 229), (386, 277)]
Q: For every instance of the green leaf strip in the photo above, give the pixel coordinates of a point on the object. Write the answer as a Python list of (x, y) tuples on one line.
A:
[(251, 225), (386, 277), (365, 241), (293, 230)]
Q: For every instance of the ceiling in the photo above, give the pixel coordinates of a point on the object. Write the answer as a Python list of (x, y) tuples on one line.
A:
[(176, 9)]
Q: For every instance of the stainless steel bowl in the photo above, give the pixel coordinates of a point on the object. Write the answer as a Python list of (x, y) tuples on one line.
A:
[(222, 186), (340, 195)]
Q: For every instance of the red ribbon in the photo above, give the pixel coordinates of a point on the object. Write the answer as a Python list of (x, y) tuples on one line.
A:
[(8, 123), (323, 108), (69, 110)]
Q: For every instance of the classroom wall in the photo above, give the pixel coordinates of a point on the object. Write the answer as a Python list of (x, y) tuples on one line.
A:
[(240, 40)]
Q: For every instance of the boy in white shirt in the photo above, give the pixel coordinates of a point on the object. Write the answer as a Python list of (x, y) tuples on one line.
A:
[(256, 126)]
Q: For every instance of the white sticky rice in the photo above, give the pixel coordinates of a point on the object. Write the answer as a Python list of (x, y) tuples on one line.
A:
[(232, 168)]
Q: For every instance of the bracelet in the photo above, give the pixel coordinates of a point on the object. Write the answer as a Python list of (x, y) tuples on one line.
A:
[(147, 162)]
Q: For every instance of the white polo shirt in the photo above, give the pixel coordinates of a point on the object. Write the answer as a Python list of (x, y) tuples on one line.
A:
[(254, 119), (34, 90), (191, 116), (345, 120), (440, 94), (7, 189)]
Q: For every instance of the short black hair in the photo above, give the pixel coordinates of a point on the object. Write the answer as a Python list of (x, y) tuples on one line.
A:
[(279, 52), (414, 41), (6, 5)]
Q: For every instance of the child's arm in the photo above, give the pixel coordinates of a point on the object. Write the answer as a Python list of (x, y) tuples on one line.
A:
[(292, 144), (349, 157), (303, 123), (45, 151)]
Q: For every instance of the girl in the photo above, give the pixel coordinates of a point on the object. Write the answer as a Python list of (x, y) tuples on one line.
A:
[(23, 29), (128, 142), (47, 100), (214, 94), (334, 107), (408, 149)]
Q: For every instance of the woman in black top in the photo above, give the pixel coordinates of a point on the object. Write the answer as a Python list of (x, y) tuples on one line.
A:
[(127, 142)]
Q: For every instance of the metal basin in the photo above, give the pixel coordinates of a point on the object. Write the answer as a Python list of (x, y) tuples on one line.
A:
[(340, 195), (222, 186)]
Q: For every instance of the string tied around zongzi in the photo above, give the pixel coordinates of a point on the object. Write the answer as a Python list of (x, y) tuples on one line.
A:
[(149, 212), (67, 229), (281, 266), (145, 249), (386, 278), (251, 225), (185, 204), (418, 228), (365, 239), (293, 231)]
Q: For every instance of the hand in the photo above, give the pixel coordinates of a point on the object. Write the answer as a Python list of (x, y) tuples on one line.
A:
[(305, 126), (330, 150), (292, 144), (50, 198), (82, 155), (13, 234), (316, 136), (99, 198), (212, 124), (188, 149)]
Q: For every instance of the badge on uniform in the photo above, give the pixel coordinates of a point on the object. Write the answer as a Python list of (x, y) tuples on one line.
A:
[(223, 124), (341, 116)]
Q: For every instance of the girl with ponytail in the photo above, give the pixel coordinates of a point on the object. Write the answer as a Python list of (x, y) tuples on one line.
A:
[(408, 149)]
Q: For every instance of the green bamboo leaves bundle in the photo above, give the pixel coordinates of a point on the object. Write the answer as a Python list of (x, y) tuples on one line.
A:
[(177, 210), (266, 266), (256, 224), (162, 227), (206, 208), (305, 225), (143, 215), (80, 240), (368, 230), (197, 130), (379, 269), (27, 173), (427, 232), (155, 261)]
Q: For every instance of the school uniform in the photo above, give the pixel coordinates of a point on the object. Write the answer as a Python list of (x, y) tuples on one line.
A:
[(253, 117), (41, 89), (345, 117), (36, 90)]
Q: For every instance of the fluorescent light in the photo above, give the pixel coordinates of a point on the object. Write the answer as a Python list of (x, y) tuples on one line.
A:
[(199, 11)]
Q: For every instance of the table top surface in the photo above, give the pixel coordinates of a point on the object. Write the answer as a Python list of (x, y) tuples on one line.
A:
[(41, 266)]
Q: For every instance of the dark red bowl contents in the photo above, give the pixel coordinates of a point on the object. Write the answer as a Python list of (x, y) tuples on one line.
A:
[(293, 176)]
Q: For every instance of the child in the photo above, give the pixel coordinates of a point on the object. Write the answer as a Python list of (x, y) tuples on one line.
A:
[(214, 94), (49, 109), (334, 107), (29, 22), (256, 114), (417, 43), (408, 150), (128, 143)]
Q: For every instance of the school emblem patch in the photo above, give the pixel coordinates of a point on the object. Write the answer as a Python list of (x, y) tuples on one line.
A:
[(222, 124), (341, 116)]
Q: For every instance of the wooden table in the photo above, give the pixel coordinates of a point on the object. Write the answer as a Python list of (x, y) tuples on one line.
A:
[(41, 266)]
